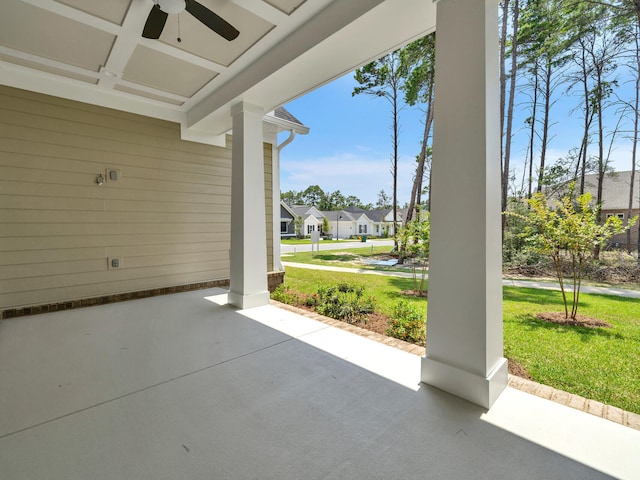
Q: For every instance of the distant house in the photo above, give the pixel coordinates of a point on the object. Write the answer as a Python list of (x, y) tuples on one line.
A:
[(312, 217), (287, 221), (361, 222), (355, 221), (342, 224), (346, 223), (382, 221), (615, 201)]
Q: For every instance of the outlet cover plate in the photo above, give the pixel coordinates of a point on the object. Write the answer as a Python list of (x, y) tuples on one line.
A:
[(114, 263)]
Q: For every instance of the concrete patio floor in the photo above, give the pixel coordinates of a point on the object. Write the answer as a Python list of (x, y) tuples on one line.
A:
[(184, 386)]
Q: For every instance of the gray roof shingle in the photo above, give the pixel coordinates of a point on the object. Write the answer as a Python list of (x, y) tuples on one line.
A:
[(285, 114)]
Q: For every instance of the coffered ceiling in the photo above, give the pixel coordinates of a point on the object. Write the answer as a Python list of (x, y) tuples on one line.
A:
[(93, 51)]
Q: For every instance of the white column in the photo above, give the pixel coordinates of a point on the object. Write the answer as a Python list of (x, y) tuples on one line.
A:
[(464, 327), (248, 282)]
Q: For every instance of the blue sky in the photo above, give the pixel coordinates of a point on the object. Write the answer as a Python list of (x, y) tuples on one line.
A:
[(349, 145)]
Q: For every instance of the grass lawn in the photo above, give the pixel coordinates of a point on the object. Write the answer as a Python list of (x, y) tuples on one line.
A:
[(601, 364)]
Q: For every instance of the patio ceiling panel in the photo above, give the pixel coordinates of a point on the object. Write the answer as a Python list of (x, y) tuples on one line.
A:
[(37, 33)]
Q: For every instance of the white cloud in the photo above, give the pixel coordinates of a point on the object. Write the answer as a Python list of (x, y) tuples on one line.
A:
[(357, 173)]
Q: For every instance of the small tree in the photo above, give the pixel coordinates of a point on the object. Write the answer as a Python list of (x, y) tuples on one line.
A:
[(298, 224), (572, 231), (325, 225), (414, 240)]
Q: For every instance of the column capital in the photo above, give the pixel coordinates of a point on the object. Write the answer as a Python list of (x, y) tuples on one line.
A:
[(242, 107)]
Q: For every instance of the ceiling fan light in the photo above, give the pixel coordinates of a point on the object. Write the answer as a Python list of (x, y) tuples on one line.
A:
[(172, 6)]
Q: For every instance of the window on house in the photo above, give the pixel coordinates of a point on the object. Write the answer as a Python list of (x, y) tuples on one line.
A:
[(310, 228), (619, 215), (377, 228), (362, 229), (283, 227)]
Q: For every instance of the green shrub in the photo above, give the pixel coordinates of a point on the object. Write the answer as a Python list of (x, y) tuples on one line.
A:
[(311, 300), (408, 323), (344, 301), (285, 295)]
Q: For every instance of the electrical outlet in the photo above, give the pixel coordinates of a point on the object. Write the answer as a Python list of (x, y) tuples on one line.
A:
[(114, 262)]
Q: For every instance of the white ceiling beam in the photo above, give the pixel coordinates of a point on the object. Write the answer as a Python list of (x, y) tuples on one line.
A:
[(127, 39)]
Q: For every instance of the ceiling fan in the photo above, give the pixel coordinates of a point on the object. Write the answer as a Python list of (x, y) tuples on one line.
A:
[(162, 8)]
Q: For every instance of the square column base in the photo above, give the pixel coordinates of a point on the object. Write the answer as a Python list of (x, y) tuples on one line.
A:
[(244, 301), (470, 386)]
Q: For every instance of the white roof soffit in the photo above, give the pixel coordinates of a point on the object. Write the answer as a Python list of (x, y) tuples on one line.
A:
[(93, 51)]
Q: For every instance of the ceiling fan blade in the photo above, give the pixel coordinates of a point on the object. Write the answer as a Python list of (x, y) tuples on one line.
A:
[(155, 23), (211, 20)]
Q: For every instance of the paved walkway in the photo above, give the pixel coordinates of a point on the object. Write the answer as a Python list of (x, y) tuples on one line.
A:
[(506, 282)]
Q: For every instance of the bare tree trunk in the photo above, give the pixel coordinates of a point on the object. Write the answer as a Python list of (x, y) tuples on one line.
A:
[(503, 79), (588, 116), (416, 190), (533, 131), (512, 92), (545, 124), (395, 166), (601, 162), (635, 141)]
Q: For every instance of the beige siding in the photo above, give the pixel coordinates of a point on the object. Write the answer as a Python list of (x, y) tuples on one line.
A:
[(167, 217), (268, 200)]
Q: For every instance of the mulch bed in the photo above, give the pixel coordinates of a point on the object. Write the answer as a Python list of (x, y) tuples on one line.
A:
[(579, 321), (518, 370), (376, 322), (415, 293)]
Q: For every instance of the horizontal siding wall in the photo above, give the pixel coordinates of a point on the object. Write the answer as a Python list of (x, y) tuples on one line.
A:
[(167, 217), (268, 200)]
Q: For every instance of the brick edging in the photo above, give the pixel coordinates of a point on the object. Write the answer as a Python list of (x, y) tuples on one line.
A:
[(107, 299), (273, 280), (593, 407)]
